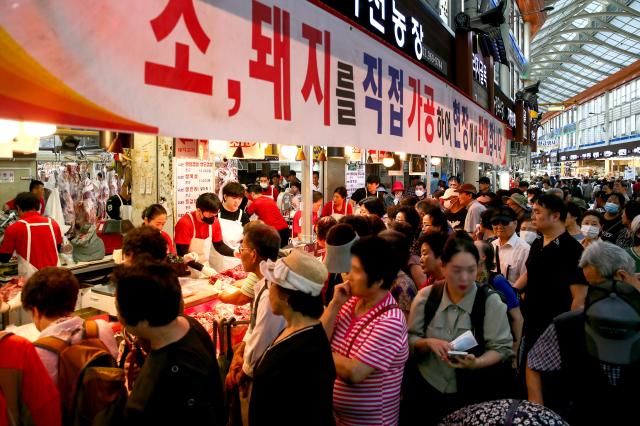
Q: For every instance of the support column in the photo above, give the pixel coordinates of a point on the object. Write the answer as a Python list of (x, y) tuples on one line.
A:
[(335, 176), (307, 193), (471, 173), (527, 40)]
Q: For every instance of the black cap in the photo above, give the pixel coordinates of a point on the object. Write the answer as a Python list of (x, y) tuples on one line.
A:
[(484, 179), (504, 213)]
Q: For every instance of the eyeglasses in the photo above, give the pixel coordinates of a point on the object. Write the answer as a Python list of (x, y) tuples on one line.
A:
[(244, 248)]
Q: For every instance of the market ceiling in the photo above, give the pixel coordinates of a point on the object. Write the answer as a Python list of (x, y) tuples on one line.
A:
[(582, 43)]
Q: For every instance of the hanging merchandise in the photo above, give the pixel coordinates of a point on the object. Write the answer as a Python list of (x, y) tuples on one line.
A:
[(66, 200), (103, 196), (89, 203), (225, 171), (53, 209)]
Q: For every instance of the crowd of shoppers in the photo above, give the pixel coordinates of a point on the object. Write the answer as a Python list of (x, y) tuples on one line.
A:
[(438, 309)]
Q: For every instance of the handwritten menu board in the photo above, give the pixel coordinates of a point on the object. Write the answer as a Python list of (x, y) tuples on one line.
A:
[(354, 177), (193, 177)]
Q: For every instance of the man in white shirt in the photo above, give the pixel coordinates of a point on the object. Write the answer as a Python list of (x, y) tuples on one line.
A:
[(511, 251), (474, 209), (260, 242)]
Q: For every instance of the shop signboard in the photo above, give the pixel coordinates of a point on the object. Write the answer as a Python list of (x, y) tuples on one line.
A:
[(278, 71), (354, 176), (629, 173), (404, 24), (193, 177)]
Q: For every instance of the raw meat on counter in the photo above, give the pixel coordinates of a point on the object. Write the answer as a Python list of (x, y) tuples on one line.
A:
[(11, 289), (222, 311), (236, 274)]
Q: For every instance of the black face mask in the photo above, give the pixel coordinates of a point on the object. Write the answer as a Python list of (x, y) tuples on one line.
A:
[(209, 220)]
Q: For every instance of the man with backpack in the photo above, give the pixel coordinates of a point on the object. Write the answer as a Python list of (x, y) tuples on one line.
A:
[(67, 342), (179, 382), (586, 365)]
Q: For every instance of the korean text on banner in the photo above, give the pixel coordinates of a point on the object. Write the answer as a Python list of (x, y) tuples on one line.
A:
[(279, 71)]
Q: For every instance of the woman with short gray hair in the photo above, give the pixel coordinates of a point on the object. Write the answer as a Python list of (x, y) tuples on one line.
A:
[(602, 260)]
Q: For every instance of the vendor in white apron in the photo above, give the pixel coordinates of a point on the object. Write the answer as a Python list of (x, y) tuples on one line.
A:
[(232, 219), (35, 239), (196, 233), (339, 206)]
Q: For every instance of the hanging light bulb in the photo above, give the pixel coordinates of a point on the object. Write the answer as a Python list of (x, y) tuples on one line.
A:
[(9, 129), (388, 160), (38, 130), (289, 151), (300, 155), (218, 147), (322, 156), (271, 150)]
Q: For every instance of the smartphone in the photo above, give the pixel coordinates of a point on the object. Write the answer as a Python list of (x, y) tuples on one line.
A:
[(455, 355)]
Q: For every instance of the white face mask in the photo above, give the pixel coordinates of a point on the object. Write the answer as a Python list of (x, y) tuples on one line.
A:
[(419, 193), (447, 204), (528, 236), (264, 185), (589, 231)]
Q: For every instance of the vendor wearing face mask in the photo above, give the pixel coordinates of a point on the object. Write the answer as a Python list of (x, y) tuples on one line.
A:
[(590, 227), (268, 190), (197, 231), (612, 222)]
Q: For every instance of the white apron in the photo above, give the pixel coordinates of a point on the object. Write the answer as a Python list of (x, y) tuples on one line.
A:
[(25, 268), (338, 216), (200, 246), (126, 212), (231, 236)]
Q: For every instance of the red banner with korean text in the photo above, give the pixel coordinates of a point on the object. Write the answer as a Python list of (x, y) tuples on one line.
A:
[(278, 71)]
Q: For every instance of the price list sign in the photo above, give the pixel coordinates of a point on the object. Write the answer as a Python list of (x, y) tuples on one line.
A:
[(354, 177), (193, 177)]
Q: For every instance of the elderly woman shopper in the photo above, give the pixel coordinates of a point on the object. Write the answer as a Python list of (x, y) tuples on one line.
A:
[(298, 365), (337, 259), (431, 246), (443, 312), (591, 227), (434, 220), (368, 334)]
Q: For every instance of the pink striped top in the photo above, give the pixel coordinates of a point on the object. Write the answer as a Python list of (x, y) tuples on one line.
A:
[(381, 345)]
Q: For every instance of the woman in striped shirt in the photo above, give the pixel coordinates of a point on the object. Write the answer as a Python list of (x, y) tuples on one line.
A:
[(368, 334)]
